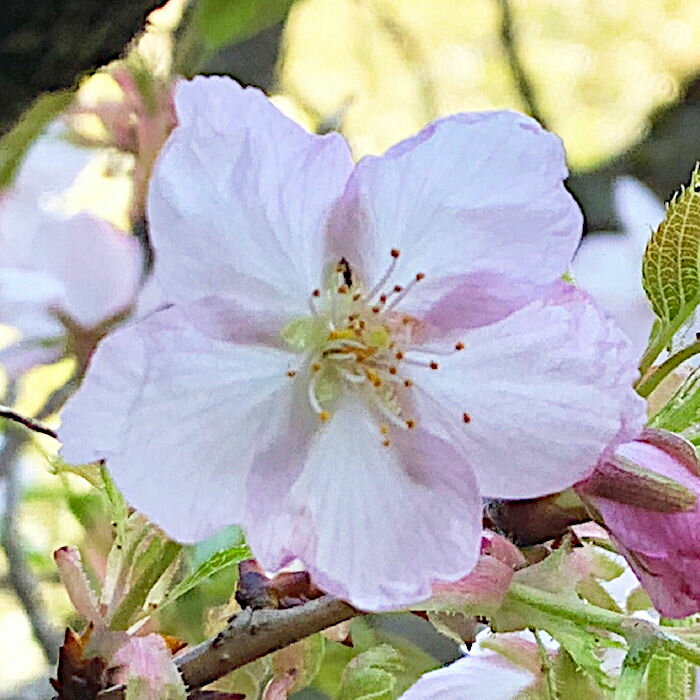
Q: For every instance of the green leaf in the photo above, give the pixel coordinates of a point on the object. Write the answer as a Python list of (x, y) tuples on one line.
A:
[(371, 675), (583, 645), (670, 677), (223, 22), (638, 600), (302, 660), (671, 266), (572, 682), (90, 471), (138, 688), (634, 667), (119, 511), (15, 144), (682, 412), (153, 563), (215, 563), (593, 592)]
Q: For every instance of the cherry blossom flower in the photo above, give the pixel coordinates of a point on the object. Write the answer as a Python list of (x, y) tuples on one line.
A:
[(63, 278), (355, 354), (609, 265), (646, 518), (486, 674)]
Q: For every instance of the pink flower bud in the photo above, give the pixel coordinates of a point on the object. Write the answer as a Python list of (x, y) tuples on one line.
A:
[(646, 496)]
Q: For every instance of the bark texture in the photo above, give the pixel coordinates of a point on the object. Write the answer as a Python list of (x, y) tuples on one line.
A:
[(46, 45)]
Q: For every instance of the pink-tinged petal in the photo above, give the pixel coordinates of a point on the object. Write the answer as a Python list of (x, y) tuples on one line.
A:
[(25, 298), (662, 548), (488, 676), (484, 588), (146, 667), (242, 194), (374, 525), (536, 398), (100, 267), (476, 203), (181, 418), (72, 573)]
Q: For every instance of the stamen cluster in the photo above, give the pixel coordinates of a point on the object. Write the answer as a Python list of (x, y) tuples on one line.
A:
[(359, 341)]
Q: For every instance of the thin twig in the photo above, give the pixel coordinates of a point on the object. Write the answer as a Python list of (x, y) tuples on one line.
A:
[(522, 82), (646, 384), (19, 575), (250, 636), (11, 414)]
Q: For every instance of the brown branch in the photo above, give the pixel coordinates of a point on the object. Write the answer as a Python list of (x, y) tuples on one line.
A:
[(49, 47), (522, 82), (36, 426), (254, 634)]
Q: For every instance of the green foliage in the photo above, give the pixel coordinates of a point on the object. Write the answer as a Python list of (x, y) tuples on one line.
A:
[(119, 511), (14, 144), (372, 674), (682, 412), (570, 573), (152, 564), (223, 22), (638, 600), (216, 562), (671, 266), (670, 677), (634, 667), (140, 688)]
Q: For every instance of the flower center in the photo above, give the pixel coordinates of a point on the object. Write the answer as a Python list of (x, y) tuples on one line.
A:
[(356, 340)]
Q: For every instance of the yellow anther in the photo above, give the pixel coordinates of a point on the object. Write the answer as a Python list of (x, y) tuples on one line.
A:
[(384, 429), (324, 416), (338, 335)]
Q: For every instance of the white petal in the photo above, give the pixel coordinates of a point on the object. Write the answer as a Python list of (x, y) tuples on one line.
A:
[(374, 525), (100, 267), (476, 203), (241, 193), (180, 419), (485, 677), (609, 267), (546, 390)]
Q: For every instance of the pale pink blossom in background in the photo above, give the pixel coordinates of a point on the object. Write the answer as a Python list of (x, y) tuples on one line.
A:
[(484, 674), (609, 265), (356, 354), (58, 269), (662, 548)]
